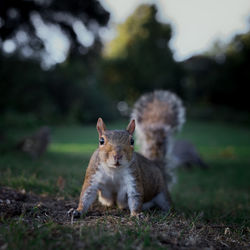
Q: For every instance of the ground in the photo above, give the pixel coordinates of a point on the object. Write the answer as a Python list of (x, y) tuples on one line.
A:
[(211, 206)]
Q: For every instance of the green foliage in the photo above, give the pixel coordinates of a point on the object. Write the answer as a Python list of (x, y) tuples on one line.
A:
[(139, 58), (233, 76), (141, 29), (81, 89), (69, 92), (221, 76), (27, 18)]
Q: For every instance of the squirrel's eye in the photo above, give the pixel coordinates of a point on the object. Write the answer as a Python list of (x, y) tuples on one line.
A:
[(132, 141), (101, 141)]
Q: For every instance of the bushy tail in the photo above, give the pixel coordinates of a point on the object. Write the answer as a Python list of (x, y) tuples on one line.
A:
[(158, 116)]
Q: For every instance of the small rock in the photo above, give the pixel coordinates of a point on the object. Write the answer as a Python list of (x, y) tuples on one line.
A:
[(3, 247), (23, 191), (227, 231)]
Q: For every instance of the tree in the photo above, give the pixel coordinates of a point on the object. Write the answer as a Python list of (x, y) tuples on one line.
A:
[(233, 76), (221, 76), (139, 58), (23, 20), (66, 91)]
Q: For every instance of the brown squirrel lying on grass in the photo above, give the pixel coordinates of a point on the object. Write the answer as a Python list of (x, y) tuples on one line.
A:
[(121, 176)]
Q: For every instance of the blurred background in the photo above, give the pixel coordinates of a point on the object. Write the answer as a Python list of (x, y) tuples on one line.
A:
[(73, 61), (65, 63)]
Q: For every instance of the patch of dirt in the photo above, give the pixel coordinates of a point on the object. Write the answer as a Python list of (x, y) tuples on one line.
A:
[(15, 203), (174, 231)]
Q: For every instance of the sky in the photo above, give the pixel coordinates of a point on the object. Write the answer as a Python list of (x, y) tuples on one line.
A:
[(196, 24)]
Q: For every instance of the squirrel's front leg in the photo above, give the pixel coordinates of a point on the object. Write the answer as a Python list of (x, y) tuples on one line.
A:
[(135, 196), (135, 204), (87, 197)]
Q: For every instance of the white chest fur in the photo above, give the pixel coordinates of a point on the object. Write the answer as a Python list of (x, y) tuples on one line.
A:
[(114, 185)]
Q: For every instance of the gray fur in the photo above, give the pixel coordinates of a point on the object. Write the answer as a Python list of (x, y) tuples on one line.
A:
[(185, 153), (117, 136), (174, 114), (36, 144), (155, 139), (159, 201), (172, 101)]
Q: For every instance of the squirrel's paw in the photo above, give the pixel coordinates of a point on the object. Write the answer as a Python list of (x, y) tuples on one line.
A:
[(74, 213), (138, 215)]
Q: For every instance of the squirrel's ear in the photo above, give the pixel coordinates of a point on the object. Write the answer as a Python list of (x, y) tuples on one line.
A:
[(100, 126), (131, 127)]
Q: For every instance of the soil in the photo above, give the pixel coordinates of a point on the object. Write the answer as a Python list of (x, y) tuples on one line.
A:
[(174, 233), (15, 203)]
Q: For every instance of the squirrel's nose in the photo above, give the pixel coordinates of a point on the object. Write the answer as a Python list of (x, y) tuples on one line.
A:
[(117, 157)]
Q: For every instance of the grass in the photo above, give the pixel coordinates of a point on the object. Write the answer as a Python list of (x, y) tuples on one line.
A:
[(206, 201)]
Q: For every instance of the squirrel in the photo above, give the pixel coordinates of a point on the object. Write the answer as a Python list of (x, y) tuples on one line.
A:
[(138, 181), (159, 115), (36, 144), (185, 154), (119, 175)]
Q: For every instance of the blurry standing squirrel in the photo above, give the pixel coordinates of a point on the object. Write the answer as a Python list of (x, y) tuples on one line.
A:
[(118, 175), (159, 115)]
